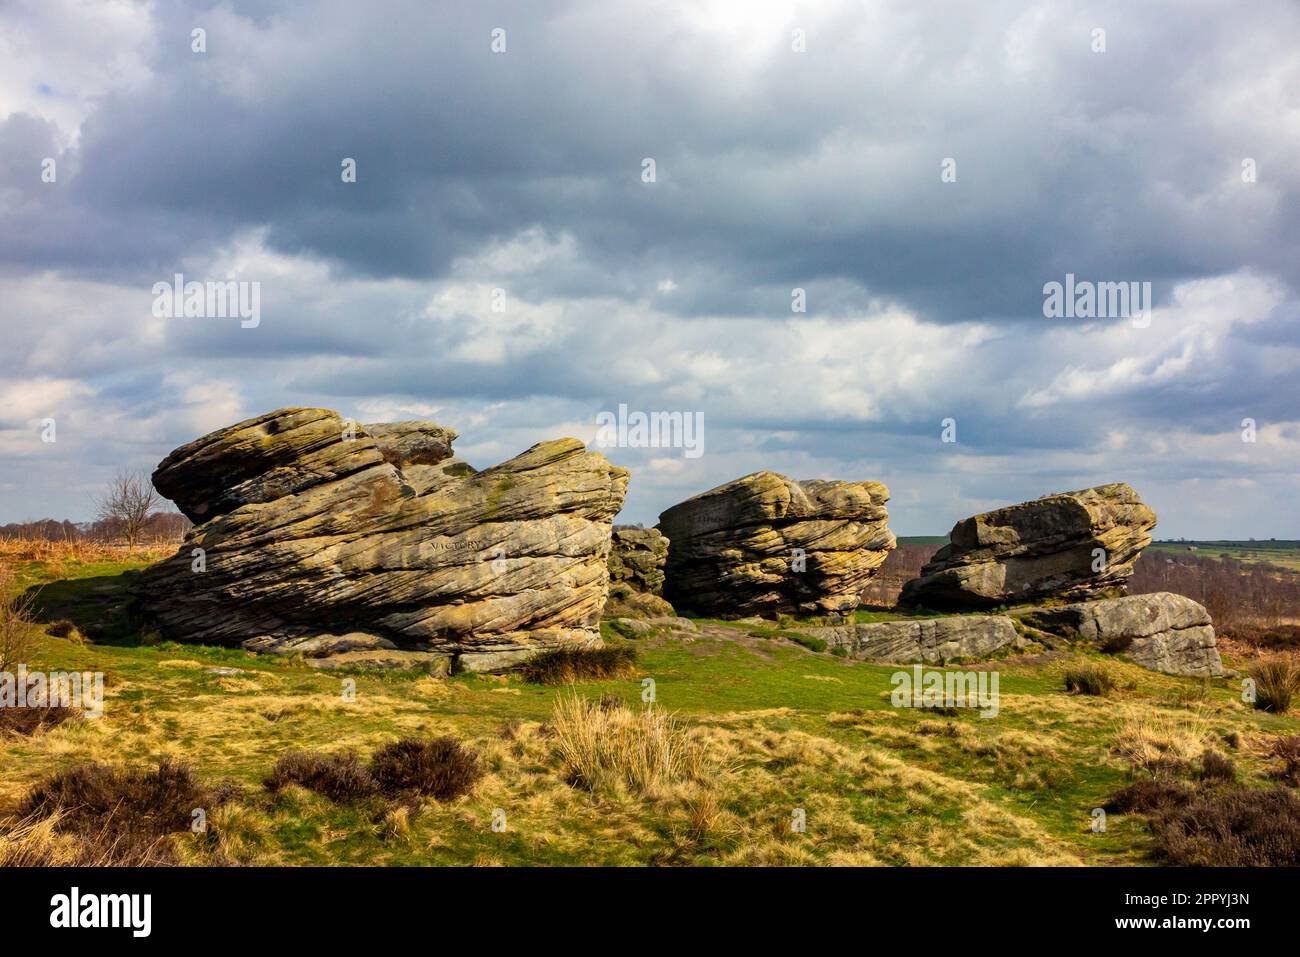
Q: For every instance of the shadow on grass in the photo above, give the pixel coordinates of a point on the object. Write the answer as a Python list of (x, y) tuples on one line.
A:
[(100, 606)]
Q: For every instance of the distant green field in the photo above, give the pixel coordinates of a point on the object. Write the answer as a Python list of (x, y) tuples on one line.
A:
[(1282, 552), (923, 539)]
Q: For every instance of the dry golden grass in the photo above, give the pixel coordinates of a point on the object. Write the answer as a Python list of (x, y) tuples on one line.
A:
[(67, 550), (607, 747), (1152, 739)]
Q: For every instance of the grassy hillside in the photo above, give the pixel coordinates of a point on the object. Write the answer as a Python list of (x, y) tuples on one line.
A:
[(772, 727)]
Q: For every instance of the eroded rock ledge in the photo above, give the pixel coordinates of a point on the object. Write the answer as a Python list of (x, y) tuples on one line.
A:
[(308, 525)]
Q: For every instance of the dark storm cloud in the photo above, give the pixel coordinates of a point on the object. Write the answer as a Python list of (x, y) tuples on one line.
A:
[(776, 170), (814, 167)]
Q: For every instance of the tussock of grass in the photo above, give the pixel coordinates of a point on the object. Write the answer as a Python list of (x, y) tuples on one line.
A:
[(567, 665), (1160, 741), (607, 747), (1089, 679), (1277, 682)]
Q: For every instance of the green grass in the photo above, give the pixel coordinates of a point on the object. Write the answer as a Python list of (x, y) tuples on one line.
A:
[(789, 728)]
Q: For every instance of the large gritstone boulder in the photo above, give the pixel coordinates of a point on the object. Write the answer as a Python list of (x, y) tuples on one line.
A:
[(766, 545), (1073, 545), (311, 527), (1161, 631), (933, 640)]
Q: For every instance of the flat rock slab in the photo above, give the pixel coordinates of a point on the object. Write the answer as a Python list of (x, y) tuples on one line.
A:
[(645, 626), (1071, 545), (1161, 631), (431, 662), (317, 646), (930, 640)]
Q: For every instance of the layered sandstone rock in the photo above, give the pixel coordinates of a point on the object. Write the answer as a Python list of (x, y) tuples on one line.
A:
[(310, 527), (1072, 545), (636, 574), (933, 640), (637, 557), (1161, 631), (766, 544)]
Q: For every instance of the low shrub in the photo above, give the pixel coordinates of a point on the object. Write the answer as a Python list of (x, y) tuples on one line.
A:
[(1287, 750), (439, 768), (1232, 827), (1090, 680), (339, 777), (567, 665), (1148, 794), (121, 816), (27, 721), (62, 628), (1270, 637), (1277, 681), (1217, 767)]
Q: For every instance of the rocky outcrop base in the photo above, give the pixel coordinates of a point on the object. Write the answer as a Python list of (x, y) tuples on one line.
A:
[(930, 640), (1161, 631)]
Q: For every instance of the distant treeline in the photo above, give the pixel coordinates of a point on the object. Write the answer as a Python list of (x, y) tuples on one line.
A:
[(160, 527)]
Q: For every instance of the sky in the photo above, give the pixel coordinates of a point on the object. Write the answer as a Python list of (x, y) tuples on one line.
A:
[(505, 263)]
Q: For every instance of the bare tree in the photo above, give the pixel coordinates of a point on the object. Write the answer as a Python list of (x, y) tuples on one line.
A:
[(128, 504)]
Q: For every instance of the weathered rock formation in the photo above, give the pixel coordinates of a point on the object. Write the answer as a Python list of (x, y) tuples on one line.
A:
[(765, 544), (1071, 545), (636, 574), (312, 527), (932, 640), (637, 557), (1161, 631)]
